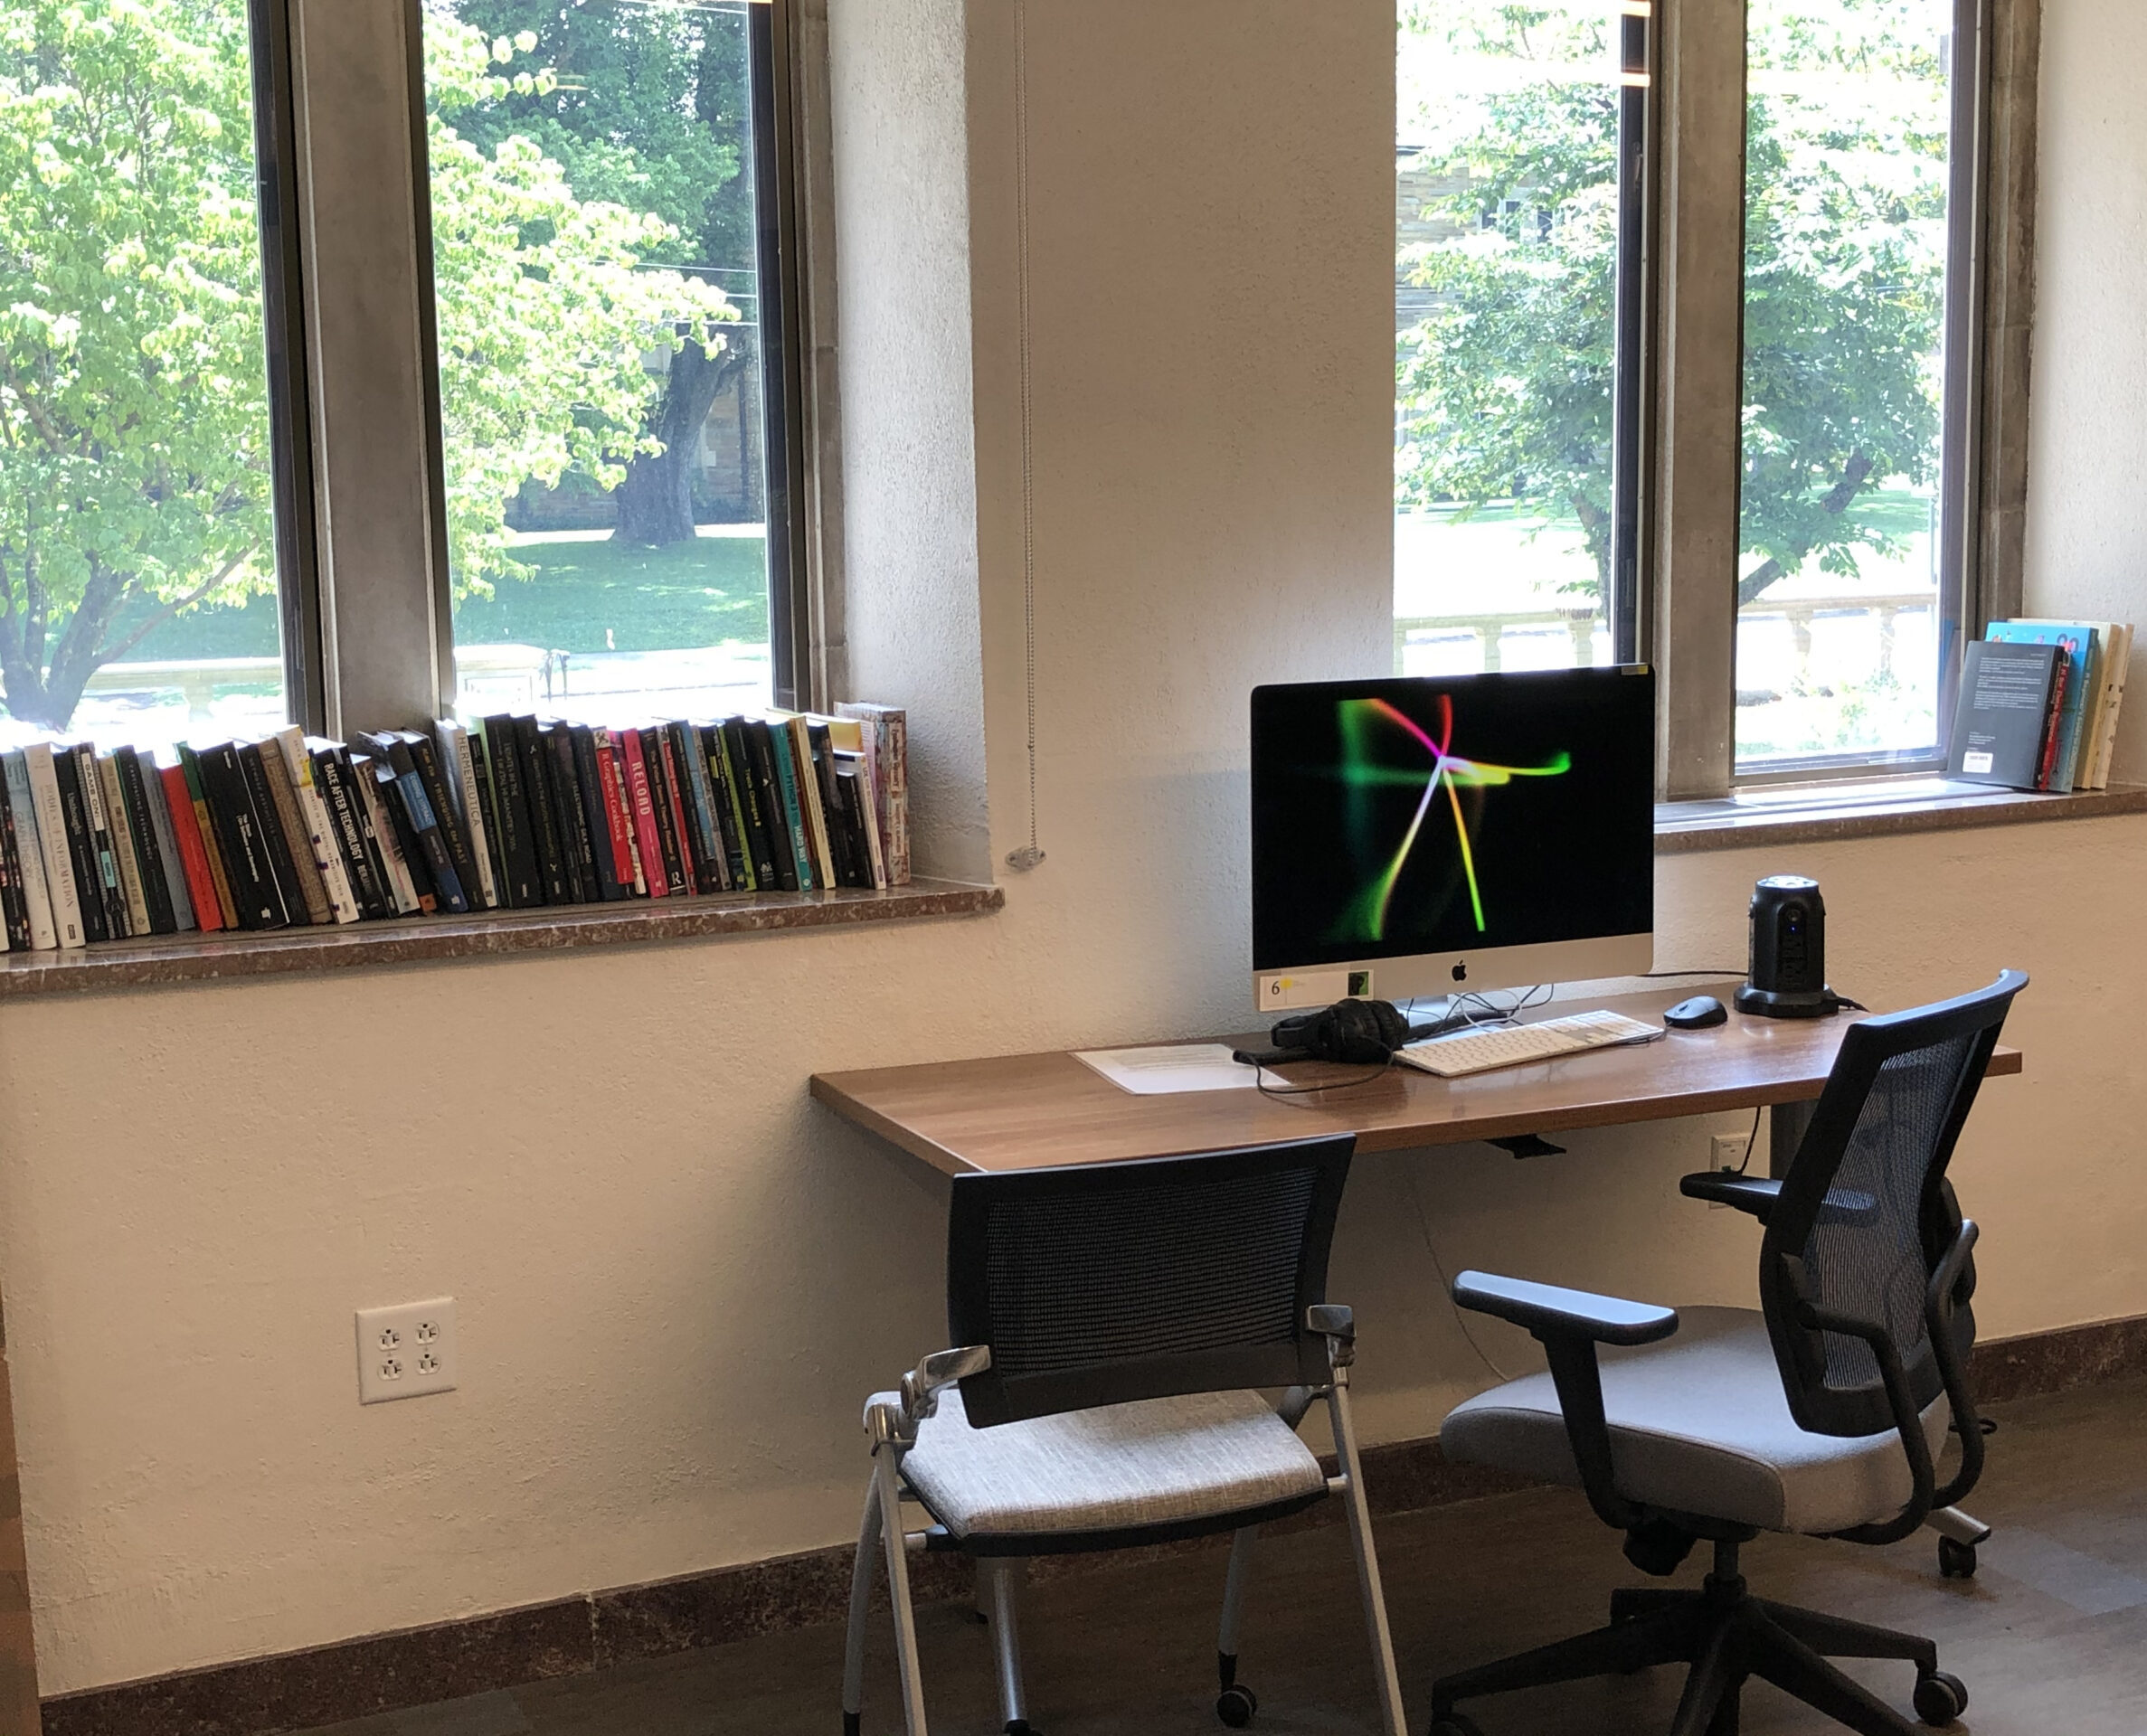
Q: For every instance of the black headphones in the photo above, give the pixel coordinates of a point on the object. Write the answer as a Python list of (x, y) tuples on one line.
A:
[(1361, 1033)]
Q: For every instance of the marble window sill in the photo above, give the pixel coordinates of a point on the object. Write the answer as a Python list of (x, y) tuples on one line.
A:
[(1872, 808), (219, 958)]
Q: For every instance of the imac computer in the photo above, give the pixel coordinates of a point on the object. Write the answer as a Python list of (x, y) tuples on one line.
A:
[(1420, 837)]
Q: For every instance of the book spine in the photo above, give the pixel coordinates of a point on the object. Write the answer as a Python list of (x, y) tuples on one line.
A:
[(37, 886), (809, 802), (709, 739), (81, 845), (781, 853), (190, 768), (283, 829), (842, 857), (2120, 667), (387, 834), (157, 915), (440, 799), (163, 825), (619, 814), (543, 815), (510, 808), (347, 831), (194, 858), (849, 794), (669, 845), (2054, 724), (670, 811), (891, 775), (424, 825), (122, 834), (738, 765), (15, 907), (111, 885), (647, 840), (868, 778), (782, 766), (242, 831), (460, 772), (712, 869), (576, 851), (320, 832), (596, 815), (482, 793)]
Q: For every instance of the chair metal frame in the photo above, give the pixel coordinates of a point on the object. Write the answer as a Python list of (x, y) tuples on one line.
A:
[(1312, 1364)]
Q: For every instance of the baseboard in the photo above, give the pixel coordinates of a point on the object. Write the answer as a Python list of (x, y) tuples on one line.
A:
[(419, 1665)]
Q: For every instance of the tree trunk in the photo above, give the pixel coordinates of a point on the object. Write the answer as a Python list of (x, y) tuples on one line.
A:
[(1854, 474), (655, 501)]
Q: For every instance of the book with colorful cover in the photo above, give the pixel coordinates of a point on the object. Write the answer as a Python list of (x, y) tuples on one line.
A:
[(2076, 640)]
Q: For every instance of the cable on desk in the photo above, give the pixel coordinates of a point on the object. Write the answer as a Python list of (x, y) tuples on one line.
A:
[(1371, 1076)]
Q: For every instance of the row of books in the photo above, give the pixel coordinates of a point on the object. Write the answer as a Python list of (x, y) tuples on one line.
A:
[(2038, 704), (505, 812)]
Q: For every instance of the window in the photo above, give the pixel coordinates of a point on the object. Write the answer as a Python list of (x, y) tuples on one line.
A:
[(1606, 447), (150, 524), (609, 351), (1519, 151), (1850, 577)]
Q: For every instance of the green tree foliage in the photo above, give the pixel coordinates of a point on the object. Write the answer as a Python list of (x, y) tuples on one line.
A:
[(649, 107), (135, 478), (1505, 387)]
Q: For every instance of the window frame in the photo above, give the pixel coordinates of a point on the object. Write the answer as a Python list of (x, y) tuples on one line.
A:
[(368, 639), (1959, 599)]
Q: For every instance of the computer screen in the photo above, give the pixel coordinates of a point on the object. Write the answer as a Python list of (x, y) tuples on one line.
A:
[(1415, 837)]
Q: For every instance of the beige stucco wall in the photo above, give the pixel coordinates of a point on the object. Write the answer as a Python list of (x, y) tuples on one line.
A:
[(676, 1277)]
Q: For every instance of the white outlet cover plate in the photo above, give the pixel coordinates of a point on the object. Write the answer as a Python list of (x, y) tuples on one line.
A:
[(407, 1351)]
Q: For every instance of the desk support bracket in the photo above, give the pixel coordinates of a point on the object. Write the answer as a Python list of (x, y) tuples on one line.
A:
[(1528, 1145)]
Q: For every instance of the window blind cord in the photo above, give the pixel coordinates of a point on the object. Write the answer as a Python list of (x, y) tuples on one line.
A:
[(1031, 853)]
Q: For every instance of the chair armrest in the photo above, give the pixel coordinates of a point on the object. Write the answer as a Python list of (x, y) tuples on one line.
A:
[(1758, 1194), (1754, 1194), (919, 1396), (1547, 1312)]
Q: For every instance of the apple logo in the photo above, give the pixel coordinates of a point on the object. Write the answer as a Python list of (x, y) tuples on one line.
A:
[(1460, 972)]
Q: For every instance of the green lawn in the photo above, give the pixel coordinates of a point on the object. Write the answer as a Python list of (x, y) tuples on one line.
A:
[(712, 591)]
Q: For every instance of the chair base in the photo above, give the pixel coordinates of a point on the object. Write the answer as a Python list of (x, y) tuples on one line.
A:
[(1727, 1636)]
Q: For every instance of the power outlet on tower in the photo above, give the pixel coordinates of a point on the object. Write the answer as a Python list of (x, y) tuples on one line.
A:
[(1729, 1151), (406, 1352)]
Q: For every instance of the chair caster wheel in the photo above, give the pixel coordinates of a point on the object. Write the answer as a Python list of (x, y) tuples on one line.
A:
[(1940, 1698), (1237, 1706), (1455, 1724), (1955, 1561)]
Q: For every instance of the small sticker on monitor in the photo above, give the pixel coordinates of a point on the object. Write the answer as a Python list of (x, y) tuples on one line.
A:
[(1360, 983), (1977, 761)]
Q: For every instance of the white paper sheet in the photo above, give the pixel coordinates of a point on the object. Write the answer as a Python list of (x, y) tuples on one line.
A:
[(1168, 1068)]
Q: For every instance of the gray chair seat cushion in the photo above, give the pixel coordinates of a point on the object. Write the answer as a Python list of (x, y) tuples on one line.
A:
[(1699, 1424), (1155, 1462)]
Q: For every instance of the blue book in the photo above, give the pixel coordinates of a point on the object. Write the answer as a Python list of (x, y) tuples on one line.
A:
[(2078, 641)]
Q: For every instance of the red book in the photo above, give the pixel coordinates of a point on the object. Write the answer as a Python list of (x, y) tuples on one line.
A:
[(647, 839), (201, 885), (618, 822), (2054, 728)]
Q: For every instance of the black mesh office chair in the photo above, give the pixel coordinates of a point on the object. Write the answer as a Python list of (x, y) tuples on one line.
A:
[(1823, 1413), (1112, 1320)]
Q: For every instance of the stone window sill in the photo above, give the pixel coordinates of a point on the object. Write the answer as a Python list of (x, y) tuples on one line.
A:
[(1869, 808), (218, 958)]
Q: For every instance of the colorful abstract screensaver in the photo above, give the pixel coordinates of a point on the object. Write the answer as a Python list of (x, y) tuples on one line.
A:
[(1385, 750)]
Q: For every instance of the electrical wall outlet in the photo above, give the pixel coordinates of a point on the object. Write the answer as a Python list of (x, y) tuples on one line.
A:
[(1729, 1151), (406, 1352)]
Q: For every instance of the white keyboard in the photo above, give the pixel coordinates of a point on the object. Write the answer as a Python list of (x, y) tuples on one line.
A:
[(1512, 1045)]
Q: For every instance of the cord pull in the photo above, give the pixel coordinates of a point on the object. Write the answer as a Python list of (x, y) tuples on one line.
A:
[(1023, 858)]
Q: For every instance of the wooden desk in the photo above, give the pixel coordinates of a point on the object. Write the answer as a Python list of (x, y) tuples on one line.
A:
[(1029, 1111)]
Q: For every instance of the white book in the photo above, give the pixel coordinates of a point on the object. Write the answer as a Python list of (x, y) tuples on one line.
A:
[(461, 773), (327, 856), (2122, 662), (44, 935), (51, 843)]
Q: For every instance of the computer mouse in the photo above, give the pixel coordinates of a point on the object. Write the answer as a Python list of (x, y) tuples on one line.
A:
[(1697, 1013)]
